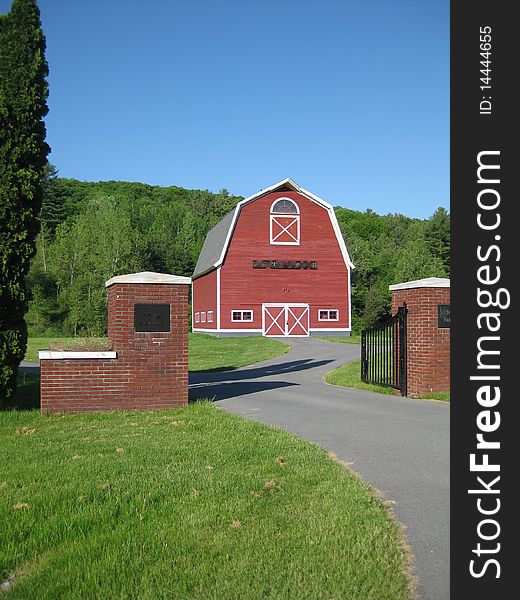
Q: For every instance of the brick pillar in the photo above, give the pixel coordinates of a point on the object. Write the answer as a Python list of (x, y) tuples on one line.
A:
[(428, 337), (156, 362), (148, 365)]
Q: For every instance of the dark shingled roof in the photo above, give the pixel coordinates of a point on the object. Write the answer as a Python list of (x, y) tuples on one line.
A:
[(213, 245)]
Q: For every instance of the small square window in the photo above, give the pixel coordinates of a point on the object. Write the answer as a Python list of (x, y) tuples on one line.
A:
[(210, 316), (202, 317), (241, 315), (197, 317), (328, 315)]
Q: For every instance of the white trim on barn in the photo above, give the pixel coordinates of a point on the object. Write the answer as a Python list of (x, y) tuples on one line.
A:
[(349, 301), (282, 213), (328, 310), (243, 330), (285, 310), (276, 219), (218, 298), (242, 311), (289, 183)]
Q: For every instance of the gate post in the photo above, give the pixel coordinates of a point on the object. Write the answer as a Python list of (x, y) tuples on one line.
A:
[(363, 356), (427, 338), (402, 311)]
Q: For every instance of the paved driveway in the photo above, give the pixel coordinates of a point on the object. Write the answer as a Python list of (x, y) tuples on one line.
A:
[(399, 445)]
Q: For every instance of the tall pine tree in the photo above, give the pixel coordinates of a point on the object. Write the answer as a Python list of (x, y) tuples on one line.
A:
[(23, 156)]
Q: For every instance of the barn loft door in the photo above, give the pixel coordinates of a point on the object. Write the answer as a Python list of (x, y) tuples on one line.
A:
[(286, 320), (285, 230)]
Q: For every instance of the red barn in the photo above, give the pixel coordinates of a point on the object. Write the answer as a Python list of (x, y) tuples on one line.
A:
[(276, 265)]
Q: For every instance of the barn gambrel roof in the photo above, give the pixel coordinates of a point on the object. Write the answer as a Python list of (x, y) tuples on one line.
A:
[(217, 240)]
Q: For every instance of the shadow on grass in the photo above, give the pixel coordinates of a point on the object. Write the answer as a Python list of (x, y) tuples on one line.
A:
[(27, 396)]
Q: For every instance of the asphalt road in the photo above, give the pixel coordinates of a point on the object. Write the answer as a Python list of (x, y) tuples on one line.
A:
[(398, 445)]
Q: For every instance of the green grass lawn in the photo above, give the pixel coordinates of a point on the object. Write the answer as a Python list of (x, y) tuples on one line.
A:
[(186, 503), (349, 375), (40, 343), (441, 396), (205, 352), (351, 339)]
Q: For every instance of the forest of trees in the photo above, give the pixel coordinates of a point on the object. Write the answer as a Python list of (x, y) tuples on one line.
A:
[(93, 231), (391, 249)]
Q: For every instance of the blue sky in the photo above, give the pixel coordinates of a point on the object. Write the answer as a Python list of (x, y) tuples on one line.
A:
[(349, 98)]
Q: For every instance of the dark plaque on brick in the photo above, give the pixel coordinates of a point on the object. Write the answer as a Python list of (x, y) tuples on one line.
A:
[(152, 317), (444, 316)]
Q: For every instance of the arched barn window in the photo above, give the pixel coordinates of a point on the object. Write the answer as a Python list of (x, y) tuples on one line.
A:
[(285, 222)]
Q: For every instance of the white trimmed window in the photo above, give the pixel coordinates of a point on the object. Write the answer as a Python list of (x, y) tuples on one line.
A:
[(327, 314), (241, 315), (197, 317), (210, 316), (285, 223), (202, 317)]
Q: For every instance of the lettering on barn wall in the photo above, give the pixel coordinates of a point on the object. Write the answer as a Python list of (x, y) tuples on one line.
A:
[(285, 264)]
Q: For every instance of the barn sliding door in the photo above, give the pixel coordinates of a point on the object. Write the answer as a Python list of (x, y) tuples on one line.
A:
[(297, 320), (274, 320), (286, 320)]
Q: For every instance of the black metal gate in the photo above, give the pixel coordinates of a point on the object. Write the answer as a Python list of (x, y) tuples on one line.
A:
[(383, 353)]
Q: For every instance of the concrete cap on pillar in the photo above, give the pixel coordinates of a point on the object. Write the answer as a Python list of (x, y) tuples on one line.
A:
[(149, 277), (429, 282)]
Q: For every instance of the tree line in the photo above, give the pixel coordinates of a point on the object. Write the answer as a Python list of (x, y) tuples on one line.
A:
[(391, 249), (93, 231)]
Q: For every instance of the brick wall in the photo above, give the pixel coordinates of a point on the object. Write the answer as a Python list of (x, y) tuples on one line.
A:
[(150, 371), (428, 345)]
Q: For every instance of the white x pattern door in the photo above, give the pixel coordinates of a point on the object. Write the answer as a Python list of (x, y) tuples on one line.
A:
[(286, 320), (285, 230)]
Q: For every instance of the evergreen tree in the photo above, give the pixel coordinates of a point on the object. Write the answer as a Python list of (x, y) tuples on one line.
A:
[(23, 155), (54, 205)]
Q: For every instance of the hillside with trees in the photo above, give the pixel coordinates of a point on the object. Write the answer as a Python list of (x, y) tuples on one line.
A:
[(391, 249), (93, 231)]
